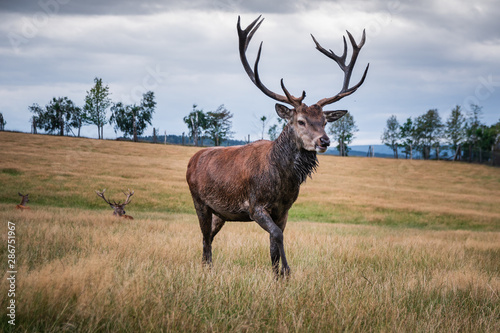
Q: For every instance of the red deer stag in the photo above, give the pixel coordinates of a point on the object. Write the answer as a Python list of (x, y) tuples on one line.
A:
[(260, 181), (24, 201), (119, 208)]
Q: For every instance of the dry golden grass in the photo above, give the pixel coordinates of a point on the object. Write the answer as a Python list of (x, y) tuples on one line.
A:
[(81, 269), (425, 186)]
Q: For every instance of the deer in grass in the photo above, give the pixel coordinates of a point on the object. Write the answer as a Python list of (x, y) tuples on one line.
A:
[(119, 208), (24, 201), (260, 181)]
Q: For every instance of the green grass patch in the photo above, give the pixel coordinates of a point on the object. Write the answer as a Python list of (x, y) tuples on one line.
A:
[(11, 171), (394, 218)]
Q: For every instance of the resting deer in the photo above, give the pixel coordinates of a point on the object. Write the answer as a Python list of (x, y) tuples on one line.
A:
[(261, 180), (119, 208), (24, 201)]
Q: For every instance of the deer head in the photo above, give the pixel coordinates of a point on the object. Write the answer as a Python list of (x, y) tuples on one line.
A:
[(24, 199), (308, 122), (119, 208)]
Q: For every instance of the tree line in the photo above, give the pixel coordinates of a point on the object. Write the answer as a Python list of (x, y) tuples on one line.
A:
[(62, 116), (463, 136), (214, 125)]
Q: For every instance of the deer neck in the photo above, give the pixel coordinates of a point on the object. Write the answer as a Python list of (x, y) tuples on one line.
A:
[(291, 160)]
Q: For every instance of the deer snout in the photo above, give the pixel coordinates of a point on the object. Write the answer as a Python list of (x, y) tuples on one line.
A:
[(325, 141), (322, 143)]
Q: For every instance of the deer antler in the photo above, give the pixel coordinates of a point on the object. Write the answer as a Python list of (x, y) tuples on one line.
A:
[(129, 195), (245, 36), (101, 194), (347, 69)]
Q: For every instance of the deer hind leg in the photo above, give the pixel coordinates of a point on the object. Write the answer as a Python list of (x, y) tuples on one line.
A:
[(217, 224), (205, 218)]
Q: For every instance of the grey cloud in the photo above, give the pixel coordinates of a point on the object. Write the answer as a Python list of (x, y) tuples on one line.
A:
[(422, 55)]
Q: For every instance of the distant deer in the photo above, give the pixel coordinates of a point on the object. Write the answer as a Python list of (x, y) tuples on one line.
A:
[(119, 208), (24, 201), (261, 180)]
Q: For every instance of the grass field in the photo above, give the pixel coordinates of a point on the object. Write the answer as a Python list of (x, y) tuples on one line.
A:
[(374, 245)]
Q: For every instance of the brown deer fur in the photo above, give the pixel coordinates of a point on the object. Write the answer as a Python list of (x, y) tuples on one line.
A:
[(24, 201)]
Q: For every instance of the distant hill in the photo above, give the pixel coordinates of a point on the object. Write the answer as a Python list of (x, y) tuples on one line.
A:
[(180, 140), (362, 151), (356, 150)]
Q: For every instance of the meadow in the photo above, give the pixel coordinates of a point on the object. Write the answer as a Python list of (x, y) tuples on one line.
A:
[(373, 244)]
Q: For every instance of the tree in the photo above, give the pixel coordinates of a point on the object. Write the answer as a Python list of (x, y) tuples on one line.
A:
[(343, 131), (2, 122), (454, 130), (428, 128), (133, 119), (196, 122), (77, 120), (473, 131), (37, 116), (275, 130), (263, 119), (57, 117), (392, 135), (219, 125), (96, 104), (408, 137)]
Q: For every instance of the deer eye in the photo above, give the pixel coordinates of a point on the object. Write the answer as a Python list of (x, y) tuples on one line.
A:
[(301, 123)]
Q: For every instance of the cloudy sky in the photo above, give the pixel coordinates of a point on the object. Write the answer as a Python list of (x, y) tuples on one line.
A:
[(423, 54)]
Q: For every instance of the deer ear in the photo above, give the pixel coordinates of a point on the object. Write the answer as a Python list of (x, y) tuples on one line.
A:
[(332, 116), (283, 111)]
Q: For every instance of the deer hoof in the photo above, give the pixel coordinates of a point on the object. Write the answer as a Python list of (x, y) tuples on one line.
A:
[(285, 272)]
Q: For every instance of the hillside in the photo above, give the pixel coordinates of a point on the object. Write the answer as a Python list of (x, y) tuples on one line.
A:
[(373, 244), (65, 172)]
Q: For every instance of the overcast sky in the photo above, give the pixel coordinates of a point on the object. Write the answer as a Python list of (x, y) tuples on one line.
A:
[(422, 54)]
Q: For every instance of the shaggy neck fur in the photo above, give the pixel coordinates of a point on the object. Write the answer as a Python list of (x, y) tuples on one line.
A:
[(291, 159)]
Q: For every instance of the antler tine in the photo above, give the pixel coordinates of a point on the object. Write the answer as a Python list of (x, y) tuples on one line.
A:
[(101, 194), (245, 37), (346, 68), (129, 195), (250, 31)]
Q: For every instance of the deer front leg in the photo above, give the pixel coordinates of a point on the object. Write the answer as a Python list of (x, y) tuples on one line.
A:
[(277, 249), (275, 254)]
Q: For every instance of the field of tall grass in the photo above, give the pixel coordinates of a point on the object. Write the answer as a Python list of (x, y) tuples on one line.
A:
[(373, 244)]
